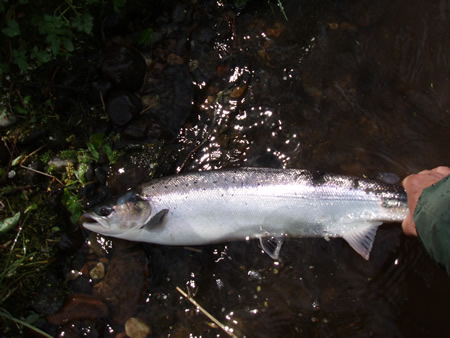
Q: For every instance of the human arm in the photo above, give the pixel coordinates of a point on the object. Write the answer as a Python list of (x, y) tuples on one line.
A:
[(429, 217)]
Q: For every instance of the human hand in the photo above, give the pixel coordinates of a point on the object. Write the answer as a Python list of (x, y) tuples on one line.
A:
[(414, 185)]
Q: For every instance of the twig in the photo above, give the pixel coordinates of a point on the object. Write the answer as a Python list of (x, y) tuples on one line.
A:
[(42, 173), (32, 153), (226, 329)]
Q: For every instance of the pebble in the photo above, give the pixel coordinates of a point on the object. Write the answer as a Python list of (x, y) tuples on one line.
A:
[(122, 106), (98, 271), (7, 120), (136, 328)]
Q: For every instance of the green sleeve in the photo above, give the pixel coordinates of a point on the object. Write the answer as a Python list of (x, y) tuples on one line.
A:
[(432, 218)]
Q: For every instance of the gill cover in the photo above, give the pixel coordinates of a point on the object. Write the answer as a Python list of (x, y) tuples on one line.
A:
[(130, 212)]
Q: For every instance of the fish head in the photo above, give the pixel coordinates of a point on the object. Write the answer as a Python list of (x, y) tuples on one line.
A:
[(121, 219)]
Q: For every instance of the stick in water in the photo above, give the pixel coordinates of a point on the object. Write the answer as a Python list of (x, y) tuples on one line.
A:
[(226, 329)]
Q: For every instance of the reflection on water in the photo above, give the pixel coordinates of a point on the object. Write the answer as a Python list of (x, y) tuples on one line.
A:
[(348, 87), (357, 90), (354, 88)]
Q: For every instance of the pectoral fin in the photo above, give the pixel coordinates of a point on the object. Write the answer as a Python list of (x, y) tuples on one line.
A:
[(362, 239), (271, 246), (156, 220)]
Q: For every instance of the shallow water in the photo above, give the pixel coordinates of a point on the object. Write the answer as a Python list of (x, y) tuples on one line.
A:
[(351, 88)]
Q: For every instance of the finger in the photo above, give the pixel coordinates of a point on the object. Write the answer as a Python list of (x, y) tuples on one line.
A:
[(409, 226), (444, 171)]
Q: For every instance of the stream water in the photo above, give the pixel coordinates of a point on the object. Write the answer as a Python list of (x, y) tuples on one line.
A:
[(359, 88)]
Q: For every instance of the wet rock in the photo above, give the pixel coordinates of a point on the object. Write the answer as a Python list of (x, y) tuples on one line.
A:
[(179, 13), (136, 328), (137, 130), (51, 295), (146, 129), (79, 307), (177, 105), (7, 120), (125, 282), (99, 89), (71, 241), (98, 271), (125, 68), (238, 92), (122, 106), (101, 174), (59, 163)]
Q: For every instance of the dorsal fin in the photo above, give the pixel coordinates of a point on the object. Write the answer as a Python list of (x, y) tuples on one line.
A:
[(361, 240)]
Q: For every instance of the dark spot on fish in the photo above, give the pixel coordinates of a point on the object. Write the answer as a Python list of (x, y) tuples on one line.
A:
[(214, 182), (195, 182), (355, 183), (187, 184), (166, 187)]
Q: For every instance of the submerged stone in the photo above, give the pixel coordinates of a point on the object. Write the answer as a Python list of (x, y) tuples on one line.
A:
[(136, 328), (125, 68), (122, 106), (79, 307)]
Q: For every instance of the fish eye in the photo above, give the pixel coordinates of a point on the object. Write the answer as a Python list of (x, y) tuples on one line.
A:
[(105, 211)]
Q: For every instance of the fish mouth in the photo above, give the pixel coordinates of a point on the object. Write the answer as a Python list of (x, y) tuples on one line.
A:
[(92, 221)]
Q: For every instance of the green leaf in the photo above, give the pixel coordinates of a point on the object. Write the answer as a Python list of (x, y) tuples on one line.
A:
[(93, 151), (146, 36), (20, 110), (67, 44), (118, 5), (83, 23), (55, 45), (79, 173), (31, 207), (73, 205), (12, 28), (20, 59), (9, 223), (17, 160), (42, 56), (32, 318), (97, 140)]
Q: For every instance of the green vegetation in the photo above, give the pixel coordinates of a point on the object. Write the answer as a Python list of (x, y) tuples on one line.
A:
[(35, 35)]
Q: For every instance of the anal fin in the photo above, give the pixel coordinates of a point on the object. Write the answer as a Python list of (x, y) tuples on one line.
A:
[(361, 240), (271, 246)]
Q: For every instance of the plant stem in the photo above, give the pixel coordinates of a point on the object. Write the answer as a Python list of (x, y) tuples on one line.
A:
[(6, 315)]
